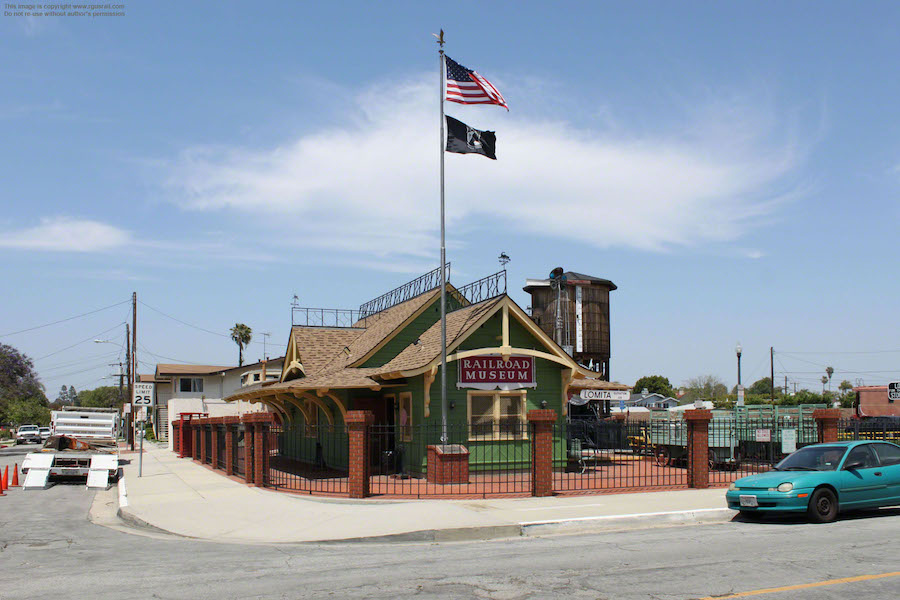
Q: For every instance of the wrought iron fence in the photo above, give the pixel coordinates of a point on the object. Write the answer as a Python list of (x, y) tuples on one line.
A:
[(238, 447), (414, 461), (741, 445), (885, 429), (220, 446), (411, 289), (307, 459), (483, 289), (602, 456), (207, 444)]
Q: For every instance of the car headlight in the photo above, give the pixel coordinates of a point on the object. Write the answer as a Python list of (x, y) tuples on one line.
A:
[(732, 487), (785, 487)]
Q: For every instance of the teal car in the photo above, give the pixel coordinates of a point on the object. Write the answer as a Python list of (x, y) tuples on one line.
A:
[(822, 480)]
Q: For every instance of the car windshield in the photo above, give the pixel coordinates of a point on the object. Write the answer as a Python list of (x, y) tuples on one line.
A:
[(28, 428), (813, 458)]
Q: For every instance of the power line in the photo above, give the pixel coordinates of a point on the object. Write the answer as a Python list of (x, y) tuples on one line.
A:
[(158, 356), (64, 320), (847, 352), (197, 327), (93, 337)]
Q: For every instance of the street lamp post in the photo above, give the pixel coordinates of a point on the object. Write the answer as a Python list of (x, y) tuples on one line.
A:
[(740, 388)]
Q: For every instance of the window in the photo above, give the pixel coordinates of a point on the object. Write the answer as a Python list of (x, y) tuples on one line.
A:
[(864, 455), (888, 454), (190, 384), (497, 415), (405, 416)]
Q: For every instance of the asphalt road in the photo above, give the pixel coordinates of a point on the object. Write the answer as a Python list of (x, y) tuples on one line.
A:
[(49, 548)]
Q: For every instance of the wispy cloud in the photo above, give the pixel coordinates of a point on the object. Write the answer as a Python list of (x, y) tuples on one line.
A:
[(65, 234), (370, 185)]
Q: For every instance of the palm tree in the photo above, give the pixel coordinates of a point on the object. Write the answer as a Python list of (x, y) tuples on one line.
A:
[(241, 335)]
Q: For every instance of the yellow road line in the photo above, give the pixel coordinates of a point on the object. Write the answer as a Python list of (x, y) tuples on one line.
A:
[(804, 586)]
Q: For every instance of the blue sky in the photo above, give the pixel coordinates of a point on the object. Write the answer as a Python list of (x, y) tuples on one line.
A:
[(733, 167)]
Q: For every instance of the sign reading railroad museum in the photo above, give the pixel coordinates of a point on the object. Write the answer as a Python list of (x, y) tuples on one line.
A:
[(492, 372)]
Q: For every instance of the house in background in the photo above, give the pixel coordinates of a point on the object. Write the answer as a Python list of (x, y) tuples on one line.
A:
[(201, 389), (645, 399)]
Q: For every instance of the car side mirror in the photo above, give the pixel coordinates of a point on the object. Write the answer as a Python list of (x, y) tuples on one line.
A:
[(852, 466)]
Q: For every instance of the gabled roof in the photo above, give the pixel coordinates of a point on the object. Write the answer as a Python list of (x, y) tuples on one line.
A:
[(380, 328), (429, 347), (271, 363), (597, 384), (318, 346)]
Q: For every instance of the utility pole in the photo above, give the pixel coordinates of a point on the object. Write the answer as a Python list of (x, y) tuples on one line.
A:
[(785, 385), (772, 370), (134, 362), (129, 434)]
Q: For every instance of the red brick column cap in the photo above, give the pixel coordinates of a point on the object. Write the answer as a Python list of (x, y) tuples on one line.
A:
[(232, 420), (542, 415), (698, 414), (618, 416), (216, 420), (825, 414), (359, 417)]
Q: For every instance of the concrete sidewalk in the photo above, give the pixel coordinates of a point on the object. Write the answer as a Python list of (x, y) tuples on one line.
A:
[(181, 497)]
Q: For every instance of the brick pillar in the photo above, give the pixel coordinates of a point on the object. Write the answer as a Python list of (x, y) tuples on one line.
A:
[(229, 449), (697, 422), (249, 445), (827, 422), (259, 453), (542, 451), (358, 423), (214, 447)]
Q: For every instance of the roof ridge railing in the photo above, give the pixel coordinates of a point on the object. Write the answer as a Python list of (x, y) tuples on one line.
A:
[(411, 289), (302, 316), (483, 289)]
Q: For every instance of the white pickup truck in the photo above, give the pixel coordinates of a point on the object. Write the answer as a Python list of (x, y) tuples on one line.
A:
[(82, 443)]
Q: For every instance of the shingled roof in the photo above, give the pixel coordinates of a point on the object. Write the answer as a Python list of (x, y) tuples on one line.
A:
[(429, 347)]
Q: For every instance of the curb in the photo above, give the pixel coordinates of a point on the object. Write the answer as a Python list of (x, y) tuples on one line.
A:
[(633, 521)]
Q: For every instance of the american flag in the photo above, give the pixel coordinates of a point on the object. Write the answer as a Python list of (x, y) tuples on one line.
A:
[(468, 87)]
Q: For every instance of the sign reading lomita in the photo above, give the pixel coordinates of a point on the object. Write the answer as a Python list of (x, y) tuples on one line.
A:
[(492, 372)]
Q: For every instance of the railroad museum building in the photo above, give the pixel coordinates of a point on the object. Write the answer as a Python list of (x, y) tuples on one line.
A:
[(387, 360)]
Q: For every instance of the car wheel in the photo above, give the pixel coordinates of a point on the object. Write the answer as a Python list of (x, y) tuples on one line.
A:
[(823, 506)]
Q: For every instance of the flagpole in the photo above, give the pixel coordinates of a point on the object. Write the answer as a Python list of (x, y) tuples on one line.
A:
[(444, 408)]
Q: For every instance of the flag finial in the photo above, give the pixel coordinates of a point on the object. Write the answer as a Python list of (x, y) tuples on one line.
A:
[(440, 38)]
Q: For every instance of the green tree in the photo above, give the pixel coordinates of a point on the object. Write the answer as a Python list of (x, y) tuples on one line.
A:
[(704, 387), (655, 384), (761, 387), (63, 396), (106, 396), (845, 387), (20, 389), (241, 334)]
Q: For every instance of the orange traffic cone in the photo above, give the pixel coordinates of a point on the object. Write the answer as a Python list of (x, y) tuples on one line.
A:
[(15, 479), (6, 478)]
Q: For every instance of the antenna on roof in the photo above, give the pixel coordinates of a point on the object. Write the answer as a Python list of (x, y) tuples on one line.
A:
[(266, 337)]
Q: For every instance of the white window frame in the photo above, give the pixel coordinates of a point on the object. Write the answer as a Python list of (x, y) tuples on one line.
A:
[(496, 435), (193, 380)]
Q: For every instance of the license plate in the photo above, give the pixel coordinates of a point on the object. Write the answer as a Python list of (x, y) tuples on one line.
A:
[(749, 501)]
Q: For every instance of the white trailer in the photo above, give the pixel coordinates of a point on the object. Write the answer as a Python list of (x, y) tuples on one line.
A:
[(82, 444)]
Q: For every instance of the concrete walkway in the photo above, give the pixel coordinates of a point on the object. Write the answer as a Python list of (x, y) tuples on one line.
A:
[(181, 497)]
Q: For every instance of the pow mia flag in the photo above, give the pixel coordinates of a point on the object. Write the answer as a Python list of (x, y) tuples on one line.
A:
[(463, 139)]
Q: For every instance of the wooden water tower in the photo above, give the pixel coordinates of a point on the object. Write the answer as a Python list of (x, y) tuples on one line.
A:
[(573, 309)]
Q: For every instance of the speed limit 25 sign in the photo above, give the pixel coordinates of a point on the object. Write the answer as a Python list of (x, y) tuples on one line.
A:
[(143, 394)]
